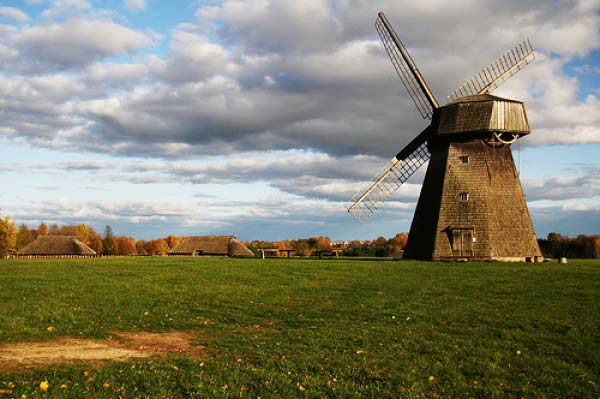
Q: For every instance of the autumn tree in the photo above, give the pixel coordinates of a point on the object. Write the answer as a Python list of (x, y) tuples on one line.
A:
[(596, 247), (140, 247), (109, 242), (53, 230), (126, 246), (173, 241), (8, 237), (96, 243), (83, 234), (398, 243), (72, 231), (380, 241), (157, 247), (301, 247), (555, 237), (24, 236), (42, 230)]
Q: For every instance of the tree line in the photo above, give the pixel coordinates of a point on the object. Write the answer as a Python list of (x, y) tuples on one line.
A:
[(379, 247), (13, 238), (582, 246)]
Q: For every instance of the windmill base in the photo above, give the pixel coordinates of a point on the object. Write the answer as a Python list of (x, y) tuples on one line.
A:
[(471, 207)]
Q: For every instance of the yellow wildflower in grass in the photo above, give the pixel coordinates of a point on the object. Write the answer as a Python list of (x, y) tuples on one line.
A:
[(50, 329), (431, 378), (63, 386), (44, 385)]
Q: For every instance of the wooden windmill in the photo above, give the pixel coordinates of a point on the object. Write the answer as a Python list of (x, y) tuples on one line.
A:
[(471, 204)]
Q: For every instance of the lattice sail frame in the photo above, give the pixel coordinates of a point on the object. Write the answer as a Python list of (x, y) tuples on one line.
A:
[(497, 72), (403, 69), (397, 171), (384, 183)]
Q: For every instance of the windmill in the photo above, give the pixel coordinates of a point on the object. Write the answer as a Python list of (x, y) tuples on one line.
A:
[(471, 203)]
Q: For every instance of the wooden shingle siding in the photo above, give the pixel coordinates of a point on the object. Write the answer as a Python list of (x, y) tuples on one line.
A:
[(480, 113), (481, 200)]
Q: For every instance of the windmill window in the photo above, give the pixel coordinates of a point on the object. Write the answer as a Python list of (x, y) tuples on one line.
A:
[(464, 197), (464, 159)]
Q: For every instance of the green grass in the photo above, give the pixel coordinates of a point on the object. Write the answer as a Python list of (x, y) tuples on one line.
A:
[(329, 328)]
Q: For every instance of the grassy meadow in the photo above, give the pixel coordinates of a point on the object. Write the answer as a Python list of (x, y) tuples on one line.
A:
[(311, 328)]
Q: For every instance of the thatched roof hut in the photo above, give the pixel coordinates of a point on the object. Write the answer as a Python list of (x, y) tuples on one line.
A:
[(56, 246), (210, 246)]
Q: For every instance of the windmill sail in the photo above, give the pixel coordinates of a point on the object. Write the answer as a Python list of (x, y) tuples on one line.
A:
[(395, 173), (497, 72), (406, 68)]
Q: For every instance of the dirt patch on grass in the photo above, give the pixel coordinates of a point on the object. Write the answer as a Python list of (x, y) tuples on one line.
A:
[(172, 342), (121, 347)]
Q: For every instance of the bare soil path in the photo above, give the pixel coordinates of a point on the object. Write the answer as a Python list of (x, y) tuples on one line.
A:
[(122, 347)]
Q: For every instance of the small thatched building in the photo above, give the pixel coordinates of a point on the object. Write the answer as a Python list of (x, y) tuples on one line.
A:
[(210, 246), (56, 246)]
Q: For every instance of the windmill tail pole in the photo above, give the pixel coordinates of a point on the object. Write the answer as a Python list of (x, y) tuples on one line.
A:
[(409, 61)]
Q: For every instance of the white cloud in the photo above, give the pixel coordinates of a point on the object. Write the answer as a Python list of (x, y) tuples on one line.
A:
[(78, 41), (325, 86), (135, 5), (66, 9), (13, 13), (115, 74), (587, 69)]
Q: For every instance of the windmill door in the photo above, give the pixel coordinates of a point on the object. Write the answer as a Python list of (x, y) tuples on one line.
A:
[(462, 242)]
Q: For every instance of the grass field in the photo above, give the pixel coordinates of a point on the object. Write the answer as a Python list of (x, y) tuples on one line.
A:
[(310, 328)]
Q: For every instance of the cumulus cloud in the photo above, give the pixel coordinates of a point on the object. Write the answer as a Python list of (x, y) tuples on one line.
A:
[(563, 188), (315, 176), (77, 42), (66, 9), (13, 13), (203, 216), (135, 5), (241, 80)]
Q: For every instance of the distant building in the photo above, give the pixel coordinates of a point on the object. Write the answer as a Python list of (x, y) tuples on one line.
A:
[(56, 246), (211, 246)]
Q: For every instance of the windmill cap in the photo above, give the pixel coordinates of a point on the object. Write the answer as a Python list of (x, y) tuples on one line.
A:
[(480, 97), (480, 114)]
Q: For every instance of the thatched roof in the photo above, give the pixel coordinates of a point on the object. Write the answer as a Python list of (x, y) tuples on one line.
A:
[(211, 245), (56, 245)]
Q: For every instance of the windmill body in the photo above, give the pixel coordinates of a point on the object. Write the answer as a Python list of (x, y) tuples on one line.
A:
[(471, 204)]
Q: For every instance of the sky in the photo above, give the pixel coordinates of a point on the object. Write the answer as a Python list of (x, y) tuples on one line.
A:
[(262, 118)]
